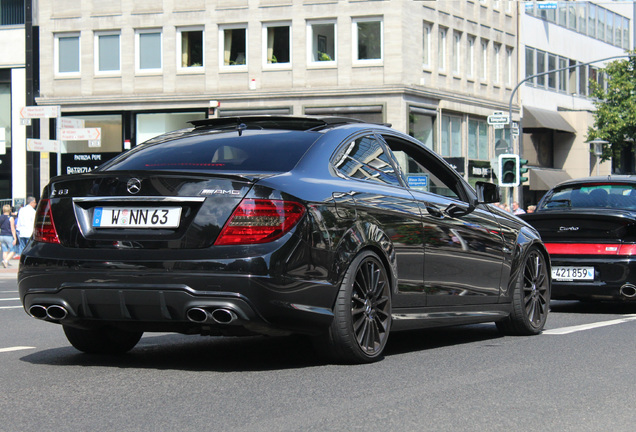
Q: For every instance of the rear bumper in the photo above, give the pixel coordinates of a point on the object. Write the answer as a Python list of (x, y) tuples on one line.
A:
[(158, 296), (614, 278)]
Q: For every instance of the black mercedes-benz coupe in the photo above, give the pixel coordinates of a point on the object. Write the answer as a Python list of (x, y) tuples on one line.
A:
[(329, 227), (589, 227)]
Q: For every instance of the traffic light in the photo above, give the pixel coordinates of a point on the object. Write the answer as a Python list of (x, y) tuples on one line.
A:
[(508, 170), (523, 169)]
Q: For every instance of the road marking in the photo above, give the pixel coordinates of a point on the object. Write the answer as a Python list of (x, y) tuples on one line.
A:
[(10, 307), (10, 299), (15, 348), (583, 327)]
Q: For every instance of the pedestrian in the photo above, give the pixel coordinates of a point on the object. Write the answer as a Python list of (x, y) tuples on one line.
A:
[(516, 209), (8, 236), (26, 220), (531, 208)]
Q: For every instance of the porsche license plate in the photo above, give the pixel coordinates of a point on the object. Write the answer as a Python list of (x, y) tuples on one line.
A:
[(572, 273), (136, 217)]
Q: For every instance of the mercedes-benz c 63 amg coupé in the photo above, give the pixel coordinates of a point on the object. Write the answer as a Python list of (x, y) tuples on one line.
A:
[(330, 227)]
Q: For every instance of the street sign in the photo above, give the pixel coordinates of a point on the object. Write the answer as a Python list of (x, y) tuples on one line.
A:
[(498, 118), (44, 111), (71, 123), (38, 145), (514, 130), (81, 134)]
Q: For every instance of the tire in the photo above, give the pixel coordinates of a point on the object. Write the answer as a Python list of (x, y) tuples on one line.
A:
[(531, 297), (105, 340), (362, 314)]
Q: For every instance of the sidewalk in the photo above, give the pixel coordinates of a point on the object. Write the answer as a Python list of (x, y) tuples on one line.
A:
[(12, 269)]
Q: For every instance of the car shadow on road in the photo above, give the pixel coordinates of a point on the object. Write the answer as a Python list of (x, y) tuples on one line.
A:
[(258, 353), (593, 307)]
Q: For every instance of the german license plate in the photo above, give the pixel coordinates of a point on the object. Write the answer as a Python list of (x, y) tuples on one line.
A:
[(136, 217), (572, 273)]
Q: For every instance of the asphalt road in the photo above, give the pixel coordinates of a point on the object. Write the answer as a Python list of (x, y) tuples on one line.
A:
[(577, 376)]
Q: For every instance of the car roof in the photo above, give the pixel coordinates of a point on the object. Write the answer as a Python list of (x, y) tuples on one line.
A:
[(303, 123), (620, 178)]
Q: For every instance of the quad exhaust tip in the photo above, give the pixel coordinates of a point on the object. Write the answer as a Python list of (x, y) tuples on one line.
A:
[(52, 312), (219, 316)]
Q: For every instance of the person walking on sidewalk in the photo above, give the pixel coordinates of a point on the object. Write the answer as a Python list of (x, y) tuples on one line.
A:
[(8, 237), (26, 220)]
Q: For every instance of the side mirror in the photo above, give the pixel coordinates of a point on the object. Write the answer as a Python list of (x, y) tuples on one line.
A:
[(487, 192)]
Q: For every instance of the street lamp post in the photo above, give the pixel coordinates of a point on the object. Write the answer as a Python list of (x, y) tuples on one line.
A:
[(598, 151)]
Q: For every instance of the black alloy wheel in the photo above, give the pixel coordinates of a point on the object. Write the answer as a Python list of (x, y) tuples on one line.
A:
[(362, 315), (531, 297)]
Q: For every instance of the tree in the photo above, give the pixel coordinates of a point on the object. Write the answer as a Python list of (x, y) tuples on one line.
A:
[(615, 116)]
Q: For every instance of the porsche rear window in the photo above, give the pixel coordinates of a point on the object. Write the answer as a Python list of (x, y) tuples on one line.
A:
[(252, 151), (593, 195)]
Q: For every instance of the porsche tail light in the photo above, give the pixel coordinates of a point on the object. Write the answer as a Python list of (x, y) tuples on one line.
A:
[(260, 221), (44, 228)]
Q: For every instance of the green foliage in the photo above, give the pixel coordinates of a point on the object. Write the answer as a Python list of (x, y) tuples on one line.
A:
[(615, 116)]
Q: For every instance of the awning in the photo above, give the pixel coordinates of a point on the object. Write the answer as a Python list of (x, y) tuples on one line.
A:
[(544, 179), (537, 118)]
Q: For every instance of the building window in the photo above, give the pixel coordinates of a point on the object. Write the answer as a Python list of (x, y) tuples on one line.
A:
[(509, 66), (426, 44), (552, 65), (470, 58), (451, 142), (322, 37), (457, 44), (477, 139), (153, 124), (625, 33), (600, 23), (572, 17), (582, 17), (563, 81), (11, 12), (233, 46), (68, 53), (441, 49), (609, 27), (583, 82), (484, 59), (530, 63), (148, 50), (368, 39), (107, 47), (591, 20), (190, 50), (541, 68), (572, 86), (497, 65), (277, 44), (422, 125)]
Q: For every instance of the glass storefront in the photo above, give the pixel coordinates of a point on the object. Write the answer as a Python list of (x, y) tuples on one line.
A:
[(152, 124)]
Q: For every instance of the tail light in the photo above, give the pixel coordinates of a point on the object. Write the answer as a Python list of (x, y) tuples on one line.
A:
[(260, 221), (44, 228)]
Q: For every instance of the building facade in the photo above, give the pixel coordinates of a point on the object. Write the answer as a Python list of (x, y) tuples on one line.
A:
[(557, 107), (12, 98), (435, 70)]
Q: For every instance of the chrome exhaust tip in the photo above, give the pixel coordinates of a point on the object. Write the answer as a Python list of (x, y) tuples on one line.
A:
[(628, 290), (38, 311), (56, 312), (223, 316), (197, 315)]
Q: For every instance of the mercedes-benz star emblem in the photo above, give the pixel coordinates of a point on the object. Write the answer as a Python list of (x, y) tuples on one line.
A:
[(133, 185)]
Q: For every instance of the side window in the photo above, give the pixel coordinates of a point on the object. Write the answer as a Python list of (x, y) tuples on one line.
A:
[(364, 158), (422, 170)]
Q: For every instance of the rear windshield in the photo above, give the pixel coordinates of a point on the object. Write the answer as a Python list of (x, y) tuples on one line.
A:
[(593, 195), (253, 151)]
